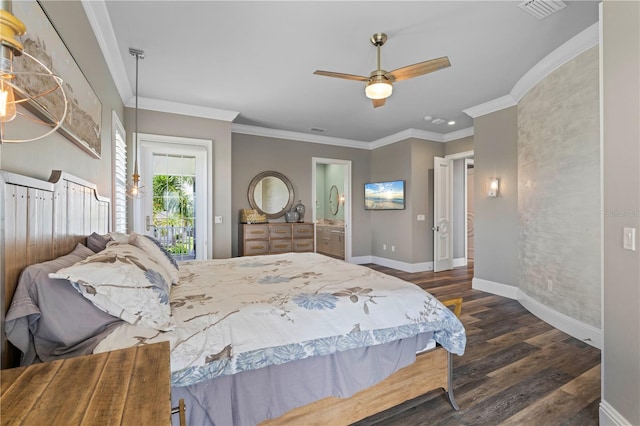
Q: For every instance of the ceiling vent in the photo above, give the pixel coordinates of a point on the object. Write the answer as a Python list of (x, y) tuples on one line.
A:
[(317, 129), (542, 8), (438, 121)]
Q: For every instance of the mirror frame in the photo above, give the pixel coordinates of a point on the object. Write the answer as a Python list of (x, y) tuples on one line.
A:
[(334, 206), (254, 183)]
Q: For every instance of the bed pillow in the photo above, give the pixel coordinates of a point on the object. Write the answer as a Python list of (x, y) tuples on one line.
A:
[(97, 242), (49, 319), (159, 253), (126, 282)]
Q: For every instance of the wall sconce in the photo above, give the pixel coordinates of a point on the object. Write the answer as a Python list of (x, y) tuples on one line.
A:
[(494, 187), (342, 199)]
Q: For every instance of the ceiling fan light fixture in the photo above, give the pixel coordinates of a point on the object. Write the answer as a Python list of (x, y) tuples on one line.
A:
[(378, 88)]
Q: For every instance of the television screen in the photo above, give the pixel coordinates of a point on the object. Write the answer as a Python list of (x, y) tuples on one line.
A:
[(384, 195)]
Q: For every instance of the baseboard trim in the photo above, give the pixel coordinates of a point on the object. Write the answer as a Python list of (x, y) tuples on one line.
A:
[(395, 264), (578, 329), (581, 331), (504, 290), (609, 416), (360, 260), (402, 266), (461, 261)]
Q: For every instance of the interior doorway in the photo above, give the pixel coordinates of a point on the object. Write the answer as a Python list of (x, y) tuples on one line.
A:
[(331, 201), (469, 231)]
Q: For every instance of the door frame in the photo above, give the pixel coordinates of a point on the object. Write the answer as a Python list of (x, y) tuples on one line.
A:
[(468, 159), (347, 199), (147, 140)]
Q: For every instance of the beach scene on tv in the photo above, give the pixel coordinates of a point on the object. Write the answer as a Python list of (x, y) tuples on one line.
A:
[(384, 195)]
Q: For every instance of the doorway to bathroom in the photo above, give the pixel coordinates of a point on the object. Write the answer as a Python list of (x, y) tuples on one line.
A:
[(331, 200)]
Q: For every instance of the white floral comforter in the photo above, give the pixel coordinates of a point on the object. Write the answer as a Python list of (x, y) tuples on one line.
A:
[(250, 312)]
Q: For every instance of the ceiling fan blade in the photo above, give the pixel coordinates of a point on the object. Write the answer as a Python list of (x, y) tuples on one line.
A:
[(378, 102), (420, 68), (341, 75)]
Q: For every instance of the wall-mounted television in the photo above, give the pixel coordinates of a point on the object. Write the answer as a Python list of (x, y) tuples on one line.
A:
[(384, 195)]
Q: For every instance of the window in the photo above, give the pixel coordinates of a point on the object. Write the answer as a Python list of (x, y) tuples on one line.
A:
[(119, 198)]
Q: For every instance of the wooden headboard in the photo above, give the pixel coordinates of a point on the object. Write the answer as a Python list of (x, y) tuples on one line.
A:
[(39, 221)]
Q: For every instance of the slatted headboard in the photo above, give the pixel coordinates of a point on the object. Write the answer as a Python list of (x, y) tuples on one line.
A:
[(39, 221)]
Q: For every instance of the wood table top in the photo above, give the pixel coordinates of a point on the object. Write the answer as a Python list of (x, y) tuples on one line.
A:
[(128, 386)]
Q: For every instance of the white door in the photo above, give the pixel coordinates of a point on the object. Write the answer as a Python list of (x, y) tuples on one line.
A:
[(174, 208), (442, 214)]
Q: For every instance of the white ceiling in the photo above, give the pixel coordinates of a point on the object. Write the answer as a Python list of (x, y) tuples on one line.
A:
[(258, 58)]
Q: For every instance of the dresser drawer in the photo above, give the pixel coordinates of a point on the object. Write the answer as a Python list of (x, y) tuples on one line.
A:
[(252, 248), (302, 230), (303, 245), (280, 231), (256, 232), (280, 246)]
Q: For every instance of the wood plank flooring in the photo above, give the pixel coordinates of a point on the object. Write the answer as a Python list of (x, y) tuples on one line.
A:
[(516, 370)]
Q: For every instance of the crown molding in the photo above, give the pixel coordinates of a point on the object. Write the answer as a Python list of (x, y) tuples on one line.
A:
[(100, 23), (458, 134), (573, 47), (497, 104), (267, 132), (578, 44), (183, 109)]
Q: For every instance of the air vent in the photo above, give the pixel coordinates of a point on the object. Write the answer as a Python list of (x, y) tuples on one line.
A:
[(438, 121), (542, 8), (317, 129)]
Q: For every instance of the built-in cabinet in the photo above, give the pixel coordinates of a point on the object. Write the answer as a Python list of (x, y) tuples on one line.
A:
[(330, 240), (273, 238)]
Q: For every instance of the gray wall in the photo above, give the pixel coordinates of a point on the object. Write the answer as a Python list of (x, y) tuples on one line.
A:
[(621, 154), (558, 198), (422, 197), (37, 159), (254, 154), (496, 219), (459, 145), (219, 132)]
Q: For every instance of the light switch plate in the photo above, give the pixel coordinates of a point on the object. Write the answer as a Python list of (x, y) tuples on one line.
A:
[(629, 239), (218, 219), (420, 217)]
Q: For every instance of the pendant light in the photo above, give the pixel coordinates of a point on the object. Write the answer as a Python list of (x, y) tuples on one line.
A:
[(137, 188), (16, 64)]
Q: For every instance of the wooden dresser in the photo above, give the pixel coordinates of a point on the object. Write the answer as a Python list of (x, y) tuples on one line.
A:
[(273, 238), (129, 387)]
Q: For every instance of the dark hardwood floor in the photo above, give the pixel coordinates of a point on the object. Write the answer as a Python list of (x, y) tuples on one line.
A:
[(516, 370)]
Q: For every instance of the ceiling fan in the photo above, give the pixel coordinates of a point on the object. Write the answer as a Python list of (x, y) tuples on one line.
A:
[(379, 83)]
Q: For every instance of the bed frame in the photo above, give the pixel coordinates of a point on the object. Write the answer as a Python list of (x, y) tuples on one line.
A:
[(41, 220)]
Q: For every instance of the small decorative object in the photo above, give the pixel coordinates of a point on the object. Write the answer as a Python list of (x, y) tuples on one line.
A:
[(300, 209), (252, 216), (291, 216)]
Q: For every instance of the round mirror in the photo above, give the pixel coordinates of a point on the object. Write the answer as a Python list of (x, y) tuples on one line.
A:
[(271, 193), (334, 202)]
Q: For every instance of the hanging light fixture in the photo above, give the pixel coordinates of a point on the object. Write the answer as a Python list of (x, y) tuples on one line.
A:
[(136, 189), (11, 94)]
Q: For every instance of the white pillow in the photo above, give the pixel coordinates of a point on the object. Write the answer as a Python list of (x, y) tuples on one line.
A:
[(153, 248), (126, 282)]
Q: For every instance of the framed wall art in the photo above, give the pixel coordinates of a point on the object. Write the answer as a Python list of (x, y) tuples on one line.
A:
[(83, 122)]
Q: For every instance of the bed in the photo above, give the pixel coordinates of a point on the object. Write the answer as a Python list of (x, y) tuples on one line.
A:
[(349, 368)]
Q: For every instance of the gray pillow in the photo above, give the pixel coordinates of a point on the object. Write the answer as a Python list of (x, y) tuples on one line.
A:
[(97, 242), (48, 319)]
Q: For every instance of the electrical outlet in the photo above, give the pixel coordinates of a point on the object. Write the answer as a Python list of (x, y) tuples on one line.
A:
[(384, 247), (421, 218), (393, 248), (218, 219), (549, 285)]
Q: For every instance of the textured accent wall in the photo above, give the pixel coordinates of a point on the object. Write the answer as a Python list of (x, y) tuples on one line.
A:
[(559, 202)]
